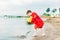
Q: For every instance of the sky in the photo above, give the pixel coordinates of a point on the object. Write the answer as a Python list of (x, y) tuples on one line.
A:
[(19, 7)]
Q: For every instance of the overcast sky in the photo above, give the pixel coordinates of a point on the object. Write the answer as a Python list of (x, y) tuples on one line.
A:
[(19, 7)]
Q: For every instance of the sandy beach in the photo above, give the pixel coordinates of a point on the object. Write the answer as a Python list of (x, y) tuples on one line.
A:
[(52, 30)]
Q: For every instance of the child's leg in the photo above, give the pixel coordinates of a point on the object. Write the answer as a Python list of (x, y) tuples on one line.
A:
[(43, 32), (35, 28), (39, 31), (35, 32)]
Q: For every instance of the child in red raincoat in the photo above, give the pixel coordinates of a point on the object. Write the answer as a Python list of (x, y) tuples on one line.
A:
[(35, 19)]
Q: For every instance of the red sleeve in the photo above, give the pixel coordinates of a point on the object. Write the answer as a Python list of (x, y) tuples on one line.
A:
[(34, 16)]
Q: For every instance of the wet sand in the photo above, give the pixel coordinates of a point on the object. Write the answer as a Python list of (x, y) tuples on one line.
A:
[(52, 30)]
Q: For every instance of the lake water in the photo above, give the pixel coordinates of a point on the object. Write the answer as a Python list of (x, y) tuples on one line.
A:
[(10, 28)]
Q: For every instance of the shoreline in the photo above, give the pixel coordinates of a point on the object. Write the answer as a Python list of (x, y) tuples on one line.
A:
[(53, 30)]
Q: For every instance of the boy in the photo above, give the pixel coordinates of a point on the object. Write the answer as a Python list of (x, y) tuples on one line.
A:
[(36, 20)]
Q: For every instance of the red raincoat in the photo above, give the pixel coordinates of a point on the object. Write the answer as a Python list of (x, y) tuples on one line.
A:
[(37, 20)]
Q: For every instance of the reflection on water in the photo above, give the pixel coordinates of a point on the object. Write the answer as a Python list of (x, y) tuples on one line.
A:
[(12, 27)]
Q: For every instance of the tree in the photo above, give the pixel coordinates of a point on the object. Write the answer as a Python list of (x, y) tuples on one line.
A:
[(48, 10), (59, 11), (54, 10)]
